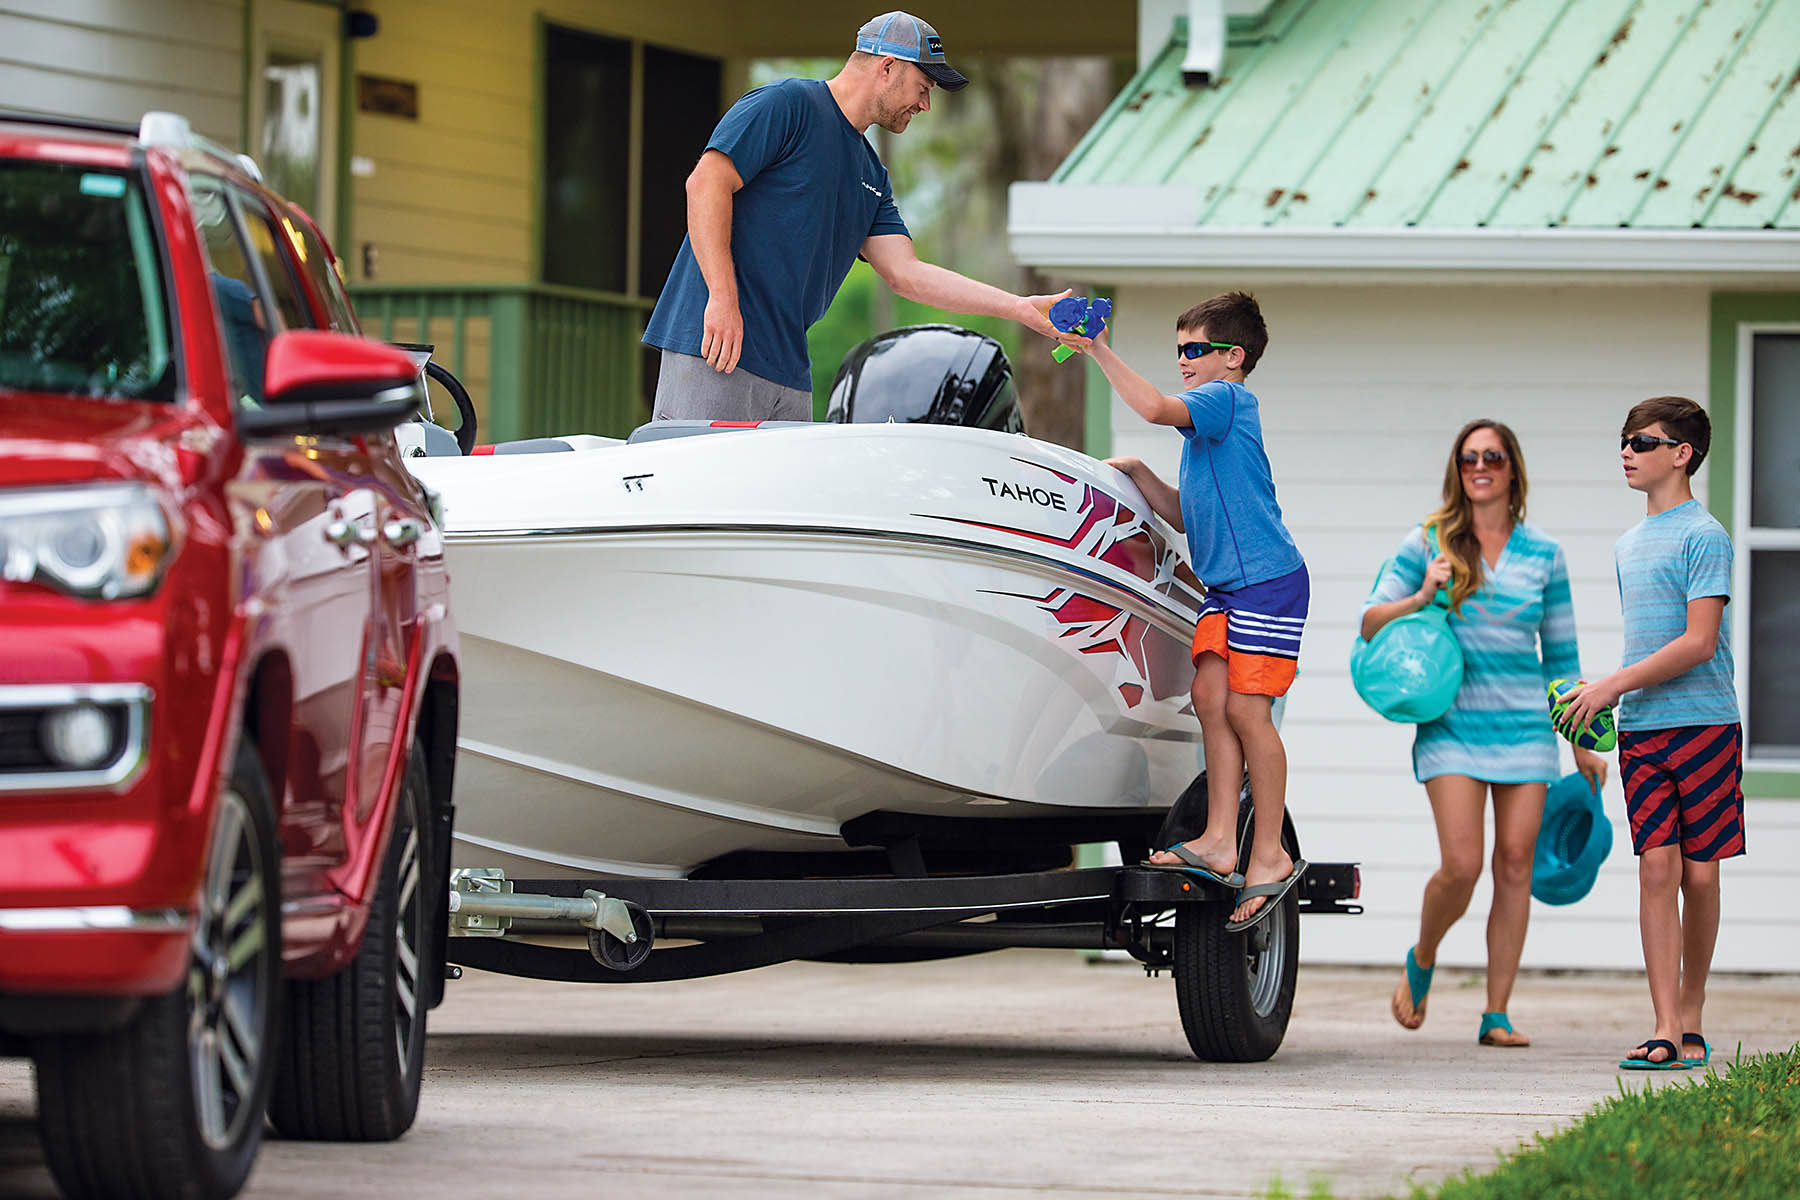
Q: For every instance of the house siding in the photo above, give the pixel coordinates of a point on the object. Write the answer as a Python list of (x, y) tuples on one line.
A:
[(1362, 390), (114, 60)]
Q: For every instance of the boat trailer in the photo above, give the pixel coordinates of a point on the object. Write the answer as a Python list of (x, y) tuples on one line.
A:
[(1235, 991)]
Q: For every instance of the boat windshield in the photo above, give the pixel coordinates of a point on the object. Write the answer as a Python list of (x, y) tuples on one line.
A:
[(81, 296)]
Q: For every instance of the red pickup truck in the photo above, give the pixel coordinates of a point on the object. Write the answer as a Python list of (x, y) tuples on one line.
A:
[(228, 671)]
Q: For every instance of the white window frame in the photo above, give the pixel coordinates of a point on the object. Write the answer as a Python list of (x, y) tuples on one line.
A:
[(1749, 538)]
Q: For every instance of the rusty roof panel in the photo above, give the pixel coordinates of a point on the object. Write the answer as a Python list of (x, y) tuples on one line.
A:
[(1463, 113)]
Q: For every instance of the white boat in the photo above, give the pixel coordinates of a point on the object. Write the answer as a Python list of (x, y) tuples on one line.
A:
[(725, 647)]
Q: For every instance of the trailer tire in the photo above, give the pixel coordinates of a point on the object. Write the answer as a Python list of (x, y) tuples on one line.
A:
[(354, 1056), (1236, 990)]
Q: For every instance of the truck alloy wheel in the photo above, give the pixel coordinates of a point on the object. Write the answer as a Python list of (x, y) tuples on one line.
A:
[(172, 1104)]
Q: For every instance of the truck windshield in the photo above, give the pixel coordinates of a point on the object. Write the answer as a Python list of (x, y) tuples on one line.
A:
[(81, 297)]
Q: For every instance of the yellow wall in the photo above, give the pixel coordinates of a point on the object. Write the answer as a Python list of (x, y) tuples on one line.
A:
[(451, 198)]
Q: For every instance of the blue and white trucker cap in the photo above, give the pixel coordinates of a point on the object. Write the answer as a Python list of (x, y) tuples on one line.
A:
[(903, 36)]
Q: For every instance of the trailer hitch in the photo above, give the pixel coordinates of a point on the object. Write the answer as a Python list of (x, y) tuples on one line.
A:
[(483, 904)]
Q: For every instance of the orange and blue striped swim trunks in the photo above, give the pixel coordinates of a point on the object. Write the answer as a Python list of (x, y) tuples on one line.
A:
[(1256, 630)]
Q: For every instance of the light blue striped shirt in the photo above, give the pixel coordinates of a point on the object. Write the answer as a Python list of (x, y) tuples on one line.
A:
[(1665, 561), (1498, 729)]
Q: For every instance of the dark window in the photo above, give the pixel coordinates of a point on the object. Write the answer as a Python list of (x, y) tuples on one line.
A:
[(322, 269), (81, 290), (587, 150), (1770, 656), (267, 237), (243, 323), (681, 106)]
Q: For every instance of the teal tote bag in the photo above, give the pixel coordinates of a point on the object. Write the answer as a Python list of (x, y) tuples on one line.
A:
[(1411, 670)]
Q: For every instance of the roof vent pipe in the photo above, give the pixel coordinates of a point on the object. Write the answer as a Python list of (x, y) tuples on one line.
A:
[(1206, 43)]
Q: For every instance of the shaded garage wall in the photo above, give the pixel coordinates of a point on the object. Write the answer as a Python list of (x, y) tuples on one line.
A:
[(114, 60)]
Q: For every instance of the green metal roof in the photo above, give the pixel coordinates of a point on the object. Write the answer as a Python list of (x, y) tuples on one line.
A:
[(1459, 114)]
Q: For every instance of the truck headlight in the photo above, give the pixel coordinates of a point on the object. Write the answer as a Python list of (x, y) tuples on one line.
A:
[(104, 541)]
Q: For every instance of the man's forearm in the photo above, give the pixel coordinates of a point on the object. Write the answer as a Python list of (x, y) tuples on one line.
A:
[(929, 284)]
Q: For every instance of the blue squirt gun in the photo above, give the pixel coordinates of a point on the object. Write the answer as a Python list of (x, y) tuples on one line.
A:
[(1078, 314)]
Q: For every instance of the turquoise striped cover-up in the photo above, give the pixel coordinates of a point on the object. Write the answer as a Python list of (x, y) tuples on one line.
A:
[(1498, 730)]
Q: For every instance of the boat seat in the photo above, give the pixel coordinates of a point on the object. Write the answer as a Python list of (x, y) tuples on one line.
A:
[(527, 446), (656, 431)]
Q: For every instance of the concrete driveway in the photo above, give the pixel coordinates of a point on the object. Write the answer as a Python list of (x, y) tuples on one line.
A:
[(1011, 1072)]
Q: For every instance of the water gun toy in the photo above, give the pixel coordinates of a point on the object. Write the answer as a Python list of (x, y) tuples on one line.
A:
[(1600, 733), (1078, 314)]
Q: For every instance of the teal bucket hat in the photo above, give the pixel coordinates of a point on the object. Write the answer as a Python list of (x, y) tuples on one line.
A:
[(1573, 841)]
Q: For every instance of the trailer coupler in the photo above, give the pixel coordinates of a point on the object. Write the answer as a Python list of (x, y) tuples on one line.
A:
[(483, 904)]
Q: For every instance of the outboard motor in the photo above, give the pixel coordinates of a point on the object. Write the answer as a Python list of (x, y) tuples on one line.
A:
[(936, 374)]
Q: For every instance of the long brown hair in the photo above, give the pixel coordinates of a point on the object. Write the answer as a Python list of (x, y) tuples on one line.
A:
[(1455, 520)]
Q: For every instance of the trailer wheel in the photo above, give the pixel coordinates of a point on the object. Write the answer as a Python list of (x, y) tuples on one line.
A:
[(172, 1104), (354, 1055), (1236, 990)]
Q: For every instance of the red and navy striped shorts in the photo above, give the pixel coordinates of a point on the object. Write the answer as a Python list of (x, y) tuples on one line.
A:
[(1685, 787)]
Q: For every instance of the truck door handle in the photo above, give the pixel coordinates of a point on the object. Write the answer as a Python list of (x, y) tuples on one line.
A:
[(402, 531)]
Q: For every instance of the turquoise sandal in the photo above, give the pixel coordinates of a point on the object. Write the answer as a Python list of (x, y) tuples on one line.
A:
[(1418, 985), (1498, 1020), (1673, 1061), (1694, 1039)]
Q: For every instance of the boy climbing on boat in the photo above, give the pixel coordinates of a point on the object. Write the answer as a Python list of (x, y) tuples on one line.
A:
[(1247, 644)]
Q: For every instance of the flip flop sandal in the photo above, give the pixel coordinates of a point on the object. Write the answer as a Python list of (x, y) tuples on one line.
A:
[(1671, 1063), (1418, 986), (1694, 1039), (1193, 864), (1274, 892), (1498, 1020)]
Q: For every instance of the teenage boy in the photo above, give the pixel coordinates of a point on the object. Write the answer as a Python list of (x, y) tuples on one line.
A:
[(1248, 641), (1680, 745)]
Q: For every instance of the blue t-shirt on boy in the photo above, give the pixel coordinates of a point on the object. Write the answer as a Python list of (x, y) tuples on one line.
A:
[(1228, 503), (1665, 561), (814, 191)]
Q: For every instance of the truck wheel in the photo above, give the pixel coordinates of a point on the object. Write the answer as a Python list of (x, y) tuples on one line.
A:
[(172, 1104), (1236, 990), (354, 1053)]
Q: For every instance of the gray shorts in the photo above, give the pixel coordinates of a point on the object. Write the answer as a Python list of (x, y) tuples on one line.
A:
[(688, 389)]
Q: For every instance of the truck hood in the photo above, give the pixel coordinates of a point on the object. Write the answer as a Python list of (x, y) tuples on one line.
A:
[(51, 439)]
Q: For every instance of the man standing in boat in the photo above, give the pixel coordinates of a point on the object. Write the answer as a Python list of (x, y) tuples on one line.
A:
[(787, 196)]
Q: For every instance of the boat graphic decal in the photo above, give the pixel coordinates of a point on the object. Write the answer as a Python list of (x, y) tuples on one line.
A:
[(1158, 662), (1110, 531)]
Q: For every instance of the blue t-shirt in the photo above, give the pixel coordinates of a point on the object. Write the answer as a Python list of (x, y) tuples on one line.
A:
[(1666, 560), (1234, 527), (814, 191)]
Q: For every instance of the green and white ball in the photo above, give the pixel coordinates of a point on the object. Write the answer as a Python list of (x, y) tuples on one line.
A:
[(1600, 733)]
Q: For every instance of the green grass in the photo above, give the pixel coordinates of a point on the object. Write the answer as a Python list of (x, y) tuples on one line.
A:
[(1733, 1135)]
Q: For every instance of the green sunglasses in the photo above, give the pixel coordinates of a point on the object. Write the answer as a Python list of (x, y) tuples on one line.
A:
[(1201, 349)]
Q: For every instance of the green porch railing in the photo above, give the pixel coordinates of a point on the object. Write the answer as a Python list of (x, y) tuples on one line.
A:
[(538, 359)]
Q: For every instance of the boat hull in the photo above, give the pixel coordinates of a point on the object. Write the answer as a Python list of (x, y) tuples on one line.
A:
[(649, 689)]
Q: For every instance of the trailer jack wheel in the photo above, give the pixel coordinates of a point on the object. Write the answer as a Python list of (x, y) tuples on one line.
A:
[(614, 952)]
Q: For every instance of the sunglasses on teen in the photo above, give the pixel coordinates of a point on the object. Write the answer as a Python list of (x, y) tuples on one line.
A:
[(1487, 458), (1201, 349), (1644, 443)]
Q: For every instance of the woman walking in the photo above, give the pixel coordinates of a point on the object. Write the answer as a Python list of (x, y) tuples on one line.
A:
[(1509, 594)]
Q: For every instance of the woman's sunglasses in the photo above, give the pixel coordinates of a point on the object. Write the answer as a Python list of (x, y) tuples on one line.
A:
[(1201, 349), (1490, 458), (1644, 443)]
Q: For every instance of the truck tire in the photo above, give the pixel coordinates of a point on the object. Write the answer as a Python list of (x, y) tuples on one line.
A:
[(354, 1051), (172, 1104), (1236, 990)]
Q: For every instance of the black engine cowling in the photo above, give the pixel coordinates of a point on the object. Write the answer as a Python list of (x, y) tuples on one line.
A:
[(936, 374)]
